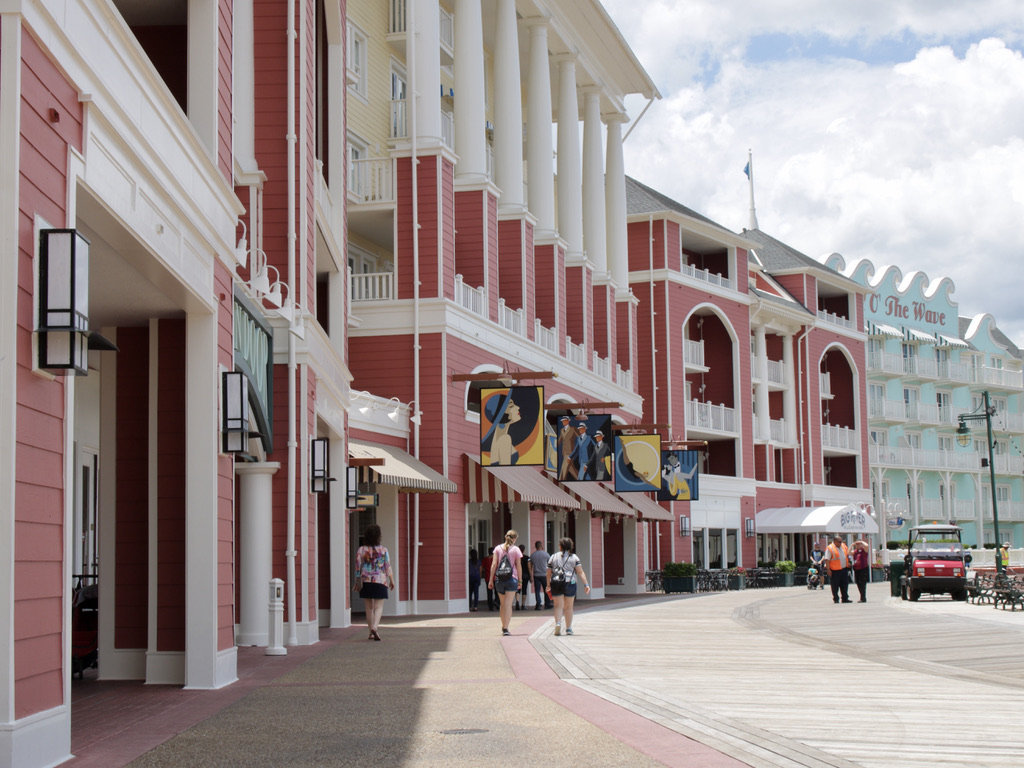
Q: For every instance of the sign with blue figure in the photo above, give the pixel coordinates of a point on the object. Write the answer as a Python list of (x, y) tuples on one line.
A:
[(679, 476), (637, 463)]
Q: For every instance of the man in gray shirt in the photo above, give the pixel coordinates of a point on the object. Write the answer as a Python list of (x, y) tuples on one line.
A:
[(539, 562)]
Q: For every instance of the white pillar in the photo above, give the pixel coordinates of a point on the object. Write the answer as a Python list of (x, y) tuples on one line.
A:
[(761, 386), (256, 555), (615, 207), (470, 108), (585, 551), (341, 614), (539, 161), (594, 233), (508, 110), (202, 60), (205, 666), (789, 393), (570, 174), (631, 581), (426, 27)]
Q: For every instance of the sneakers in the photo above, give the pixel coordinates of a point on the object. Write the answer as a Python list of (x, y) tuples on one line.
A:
[(568, 630), (505, 633), (558, 629)]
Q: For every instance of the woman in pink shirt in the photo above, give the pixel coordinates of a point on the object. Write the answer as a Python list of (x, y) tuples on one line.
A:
[(373, 577), (506, 573)]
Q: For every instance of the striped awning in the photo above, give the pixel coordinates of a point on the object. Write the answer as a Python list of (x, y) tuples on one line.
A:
[(912, 334), (399, 468), (950, 341), (505, 484), (599, 499), (881, 329), (648, 508)]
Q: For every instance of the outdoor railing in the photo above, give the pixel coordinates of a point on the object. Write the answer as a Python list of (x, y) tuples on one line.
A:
[(369, 180), (546, 337), (719, 418), (602, 366), (693, 352), (398, 119), (825, 384), (843, 438), (623, 378), (372, 286), (473, 299), (575, 353), (834, 319), (706, 276), (511, 319)]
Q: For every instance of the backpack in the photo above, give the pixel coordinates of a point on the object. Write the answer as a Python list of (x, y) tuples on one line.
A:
[(504, 572)]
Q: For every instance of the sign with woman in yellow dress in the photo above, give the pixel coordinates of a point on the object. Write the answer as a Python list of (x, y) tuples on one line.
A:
[(679, 476)]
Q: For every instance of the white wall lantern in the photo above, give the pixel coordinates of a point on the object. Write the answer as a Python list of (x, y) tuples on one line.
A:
[(318, 466), (235, 412), (749, 524), (63, 341), (684, 526)]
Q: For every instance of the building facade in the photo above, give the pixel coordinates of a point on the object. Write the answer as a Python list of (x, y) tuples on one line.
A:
[(927, 367)]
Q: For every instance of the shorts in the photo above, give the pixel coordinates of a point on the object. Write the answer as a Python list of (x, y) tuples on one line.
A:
[(570, 590), (501, 587), (371, 591), (557, 587)]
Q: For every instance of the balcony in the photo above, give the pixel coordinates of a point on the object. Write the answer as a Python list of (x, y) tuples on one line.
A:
[(707, 277), (957, 372), (887, 410), (777, 432), (448, 129), (838, 438), (1009, 511), (923, 413), (623, 378), (776, 373), (468, 297), (399, 125), (575, 353), (837, 320), (602, 366), (373, 286), (693, 355), (825, 385), (885, 362), (965, 510), (513, 320), (898, 456), (709, 417), (920, 367), (370, 181), (546, 337), (1007, 422), (1002, 378)]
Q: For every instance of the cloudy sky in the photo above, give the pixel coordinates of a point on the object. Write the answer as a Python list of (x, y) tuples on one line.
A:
[(891, 130)]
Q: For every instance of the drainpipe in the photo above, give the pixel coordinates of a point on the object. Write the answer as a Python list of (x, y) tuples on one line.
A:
[(801, 338), (291, 141), (411, 116), (650, 281)]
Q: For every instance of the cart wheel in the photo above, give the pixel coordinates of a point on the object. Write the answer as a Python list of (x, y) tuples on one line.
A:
[(914, 594)]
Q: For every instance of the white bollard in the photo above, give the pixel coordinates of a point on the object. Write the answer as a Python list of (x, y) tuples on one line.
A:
[(275, 634)]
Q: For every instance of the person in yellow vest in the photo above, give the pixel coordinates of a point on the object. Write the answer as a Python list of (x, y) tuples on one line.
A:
[(1004, 555), (837, 559)]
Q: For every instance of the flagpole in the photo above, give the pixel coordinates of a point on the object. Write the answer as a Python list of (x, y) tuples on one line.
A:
[(749, 170)]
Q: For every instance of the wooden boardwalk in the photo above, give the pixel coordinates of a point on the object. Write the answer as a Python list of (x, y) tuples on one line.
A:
[(786, 678)]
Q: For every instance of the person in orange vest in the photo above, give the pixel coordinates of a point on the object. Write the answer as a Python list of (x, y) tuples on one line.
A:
[(837, 558)]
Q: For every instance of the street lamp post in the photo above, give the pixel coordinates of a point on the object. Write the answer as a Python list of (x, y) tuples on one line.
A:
[(963, 436)]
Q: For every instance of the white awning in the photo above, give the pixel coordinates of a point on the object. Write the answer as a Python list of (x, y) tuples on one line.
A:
[(506, 484), (949, 341), (916, 335), (599, 498), (400, 468), (881, 329), (844, 519), (648, 508)]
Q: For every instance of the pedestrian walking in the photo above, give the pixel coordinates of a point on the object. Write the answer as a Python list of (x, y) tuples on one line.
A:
[(837, 558), (564, 568), (373, 577), (524, 586), (539, 566), (506, 573), (485, 570), (474, 580), (861, 567)]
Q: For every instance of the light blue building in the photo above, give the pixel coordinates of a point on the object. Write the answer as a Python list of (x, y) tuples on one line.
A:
[(926, 367)]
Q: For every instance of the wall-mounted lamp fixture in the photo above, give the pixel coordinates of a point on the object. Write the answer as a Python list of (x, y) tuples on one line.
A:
[(749, 526), (235, 412), (351, 487), (684, 526), (63, 341), (318, 466), (393, 414)]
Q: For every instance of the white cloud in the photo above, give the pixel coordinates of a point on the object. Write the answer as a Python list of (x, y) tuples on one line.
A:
[(919, 163)]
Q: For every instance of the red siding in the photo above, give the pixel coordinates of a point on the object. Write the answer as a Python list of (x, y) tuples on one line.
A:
[(226, 477), (471, 241)]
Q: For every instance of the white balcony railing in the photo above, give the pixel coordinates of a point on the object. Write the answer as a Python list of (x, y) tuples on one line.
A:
[(447, 30), (776, 372), (925, 367), (932, 508), (1007, 422), (448, 129), (780, 434), (546, 337), (473, 299), (693, 353), (900, 456), (707, 416), (825, 384), (623, 378), (926, 413), (833, 319), (511, 319), (575, 353), (965, 510), (602, 366), (370, 180), (959, 372), (1000, 377), (398, 126), (890, 410), (842, 438), (373, 286), (886, 362), (398, 12), (706, 276)]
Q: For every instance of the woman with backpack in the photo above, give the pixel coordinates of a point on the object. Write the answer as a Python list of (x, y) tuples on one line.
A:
[(373, 577), (563, 569), (506, 573)]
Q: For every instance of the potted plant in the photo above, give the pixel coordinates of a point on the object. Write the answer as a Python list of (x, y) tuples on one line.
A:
[(737, 578), (679, 577), (785, 569)]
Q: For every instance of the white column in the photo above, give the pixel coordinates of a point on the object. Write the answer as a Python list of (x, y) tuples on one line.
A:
[(508, 110), (594, 233), (761, 386), (203, 61), (585, 551), (570, 174), (205, 667), (789, 393), (539, 161), (426, 27), (256, 556), (615, 207), (630, 566), (470, 107), (243, 87), (339, 544)]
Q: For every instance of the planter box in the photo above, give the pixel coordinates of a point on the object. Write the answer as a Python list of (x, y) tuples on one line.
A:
[(787, 579), (737, 581), (877, 574), (679, 584)]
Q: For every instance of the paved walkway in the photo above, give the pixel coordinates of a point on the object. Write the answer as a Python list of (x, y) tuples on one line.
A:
[(733, 679)]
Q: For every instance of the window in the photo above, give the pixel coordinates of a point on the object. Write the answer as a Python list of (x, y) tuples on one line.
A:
[(399, 91), (356, 60), (945, 443), (876, 392), (879, 437), (913, 440), (356, 151), (909, 351)]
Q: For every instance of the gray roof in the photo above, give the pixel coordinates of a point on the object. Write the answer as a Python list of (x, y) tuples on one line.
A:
[(777, 256), (792, 304), (998, 336), (642, 199)]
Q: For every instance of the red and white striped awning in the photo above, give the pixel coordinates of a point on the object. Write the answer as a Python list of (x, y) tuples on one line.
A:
[(648, 508), (505, 484), (599, 499)]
